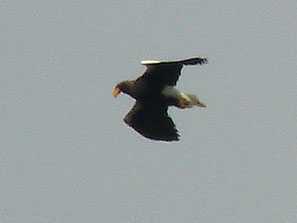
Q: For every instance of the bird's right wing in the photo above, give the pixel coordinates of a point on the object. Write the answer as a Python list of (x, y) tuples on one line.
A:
[(152, 122)]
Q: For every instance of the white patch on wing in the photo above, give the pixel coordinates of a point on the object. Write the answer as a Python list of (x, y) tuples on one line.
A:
[(150, 62)]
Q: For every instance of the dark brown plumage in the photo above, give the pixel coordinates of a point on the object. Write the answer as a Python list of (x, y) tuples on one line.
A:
[(154, 91)]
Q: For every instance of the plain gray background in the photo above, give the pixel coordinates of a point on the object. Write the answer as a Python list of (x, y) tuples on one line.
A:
[(67, 156)]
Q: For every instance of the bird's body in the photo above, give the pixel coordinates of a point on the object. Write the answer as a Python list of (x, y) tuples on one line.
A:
[(154, 91)]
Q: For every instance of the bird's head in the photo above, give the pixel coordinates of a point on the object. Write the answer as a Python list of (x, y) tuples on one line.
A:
[(125, 87)]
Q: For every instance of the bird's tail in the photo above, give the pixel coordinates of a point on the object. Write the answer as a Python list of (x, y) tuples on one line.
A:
[(194, 61), (195, 101)]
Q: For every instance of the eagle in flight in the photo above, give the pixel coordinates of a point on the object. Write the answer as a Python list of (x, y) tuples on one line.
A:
[(154, 92)]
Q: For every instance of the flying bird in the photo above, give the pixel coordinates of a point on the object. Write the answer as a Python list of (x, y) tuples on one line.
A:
[(154, 92)]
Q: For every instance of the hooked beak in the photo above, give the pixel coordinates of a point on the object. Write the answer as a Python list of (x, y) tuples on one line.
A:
[(116, 91)]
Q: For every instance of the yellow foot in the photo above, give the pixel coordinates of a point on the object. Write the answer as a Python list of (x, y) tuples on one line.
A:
[(183, 105)]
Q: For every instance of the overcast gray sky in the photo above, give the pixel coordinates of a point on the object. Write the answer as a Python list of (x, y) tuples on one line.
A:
[(67, 156)]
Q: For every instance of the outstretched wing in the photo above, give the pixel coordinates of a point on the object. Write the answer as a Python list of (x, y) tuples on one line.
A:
[(158, 74), (152, 122)]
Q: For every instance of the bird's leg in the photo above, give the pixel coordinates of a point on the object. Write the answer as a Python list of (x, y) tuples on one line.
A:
[(183, 105)]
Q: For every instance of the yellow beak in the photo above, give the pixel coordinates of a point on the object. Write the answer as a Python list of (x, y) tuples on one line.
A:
[(116, 91)]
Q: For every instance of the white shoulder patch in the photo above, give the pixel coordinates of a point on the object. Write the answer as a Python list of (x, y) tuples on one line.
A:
[(150, 62)]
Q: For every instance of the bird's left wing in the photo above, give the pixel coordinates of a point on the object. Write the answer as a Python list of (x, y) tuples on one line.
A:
[(159, 74), (152, 122)]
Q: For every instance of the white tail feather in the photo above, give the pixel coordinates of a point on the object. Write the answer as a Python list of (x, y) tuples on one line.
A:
[(195, 100), (187, 100)]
